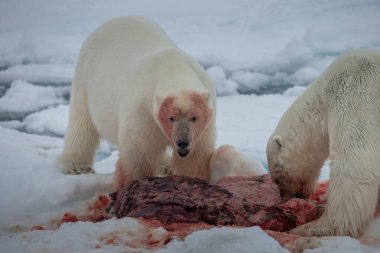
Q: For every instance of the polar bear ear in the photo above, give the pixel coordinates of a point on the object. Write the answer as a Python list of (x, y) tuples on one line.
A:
[(206, 96), (278, 142), (159, 98)]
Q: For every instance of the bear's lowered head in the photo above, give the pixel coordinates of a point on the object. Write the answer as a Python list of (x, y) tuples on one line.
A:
[(291, 167)]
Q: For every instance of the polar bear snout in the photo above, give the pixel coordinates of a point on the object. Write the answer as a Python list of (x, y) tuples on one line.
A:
[(290, 187), (183, 147), (183, 152), (182, 144), (182, 137)]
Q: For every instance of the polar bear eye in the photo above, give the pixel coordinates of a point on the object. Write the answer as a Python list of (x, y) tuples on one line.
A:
[(193, 119)]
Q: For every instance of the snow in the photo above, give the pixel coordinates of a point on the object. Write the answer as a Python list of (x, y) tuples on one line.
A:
[(304, 76), (51, 121), (83, 237), (257, 37), (342, 245), (294, 91), (224, 87), (23, 97), (250, 81), (242, 240), (248, 47), (51, 74)]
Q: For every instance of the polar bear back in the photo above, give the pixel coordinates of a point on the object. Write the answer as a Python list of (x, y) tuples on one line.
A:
[(123, 40), (352, 84), (347, 78)]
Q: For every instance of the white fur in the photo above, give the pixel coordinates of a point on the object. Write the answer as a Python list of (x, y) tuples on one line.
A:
[(124, 69), (337, 117), (227, 161)]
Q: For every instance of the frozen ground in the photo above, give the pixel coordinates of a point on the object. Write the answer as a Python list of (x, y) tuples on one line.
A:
[(264, 46), (247, 46)]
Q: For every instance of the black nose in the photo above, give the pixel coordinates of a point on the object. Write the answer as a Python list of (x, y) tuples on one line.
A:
[(183, 144)]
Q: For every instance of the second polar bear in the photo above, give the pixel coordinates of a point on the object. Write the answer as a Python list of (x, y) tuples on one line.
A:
[(337, 117), (136, 88)]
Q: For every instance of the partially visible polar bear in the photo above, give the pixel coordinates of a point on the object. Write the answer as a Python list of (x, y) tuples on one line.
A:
[(337, 117), (227, 161), (136, 88)]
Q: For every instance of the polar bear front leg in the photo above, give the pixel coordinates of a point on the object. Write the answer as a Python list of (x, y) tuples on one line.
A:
[(140, 155), (352, 200), (133, 167), (81, 139)]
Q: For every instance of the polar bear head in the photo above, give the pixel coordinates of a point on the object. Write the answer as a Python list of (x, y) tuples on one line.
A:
[(183, 116), (291, 166)]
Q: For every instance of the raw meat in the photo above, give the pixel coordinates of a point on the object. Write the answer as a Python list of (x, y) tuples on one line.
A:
[(259, 190), (239, 201)]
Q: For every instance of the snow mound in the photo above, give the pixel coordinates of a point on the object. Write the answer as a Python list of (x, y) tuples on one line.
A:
[(122, 235), (224, 87), (23, 98), (226, 240), (52, 121), (295, 91)]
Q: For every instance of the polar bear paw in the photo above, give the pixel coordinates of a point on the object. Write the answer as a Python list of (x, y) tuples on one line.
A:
[(303, 243), (78, 169), (320, 227)]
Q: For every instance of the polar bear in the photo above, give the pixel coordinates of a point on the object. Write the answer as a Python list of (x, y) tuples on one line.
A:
[(337, 117), (134, 87), (227, 161)]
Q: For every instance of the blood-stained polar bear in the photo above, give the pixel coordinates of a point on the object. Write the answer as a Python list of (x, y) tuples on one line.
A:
[(136, 88)]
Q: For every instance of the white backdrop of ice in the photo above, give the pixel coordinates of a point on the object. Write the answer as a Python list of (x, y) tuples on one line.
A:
[(224, 87), (51, 74), (294, 91), (250, 81), (258, 37), (50, 121), (24, 97)]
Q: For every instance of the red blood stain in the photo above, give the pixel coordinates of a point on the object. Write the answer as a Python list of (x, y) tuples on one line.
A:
[(200, 106), (97, 210), (201, 110), (320, 194), (69, 217), (121, 177), (286, 240), (166, 110), (37, 228), (111, 238)]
